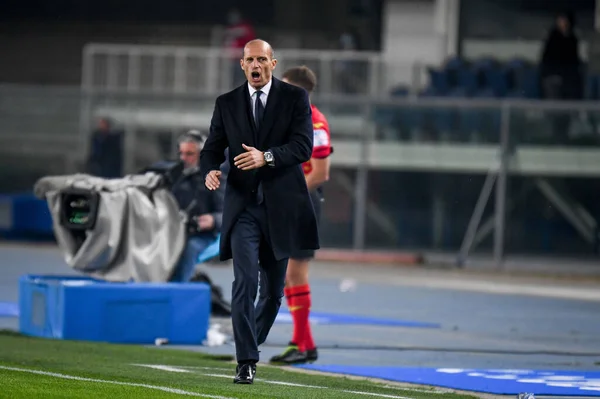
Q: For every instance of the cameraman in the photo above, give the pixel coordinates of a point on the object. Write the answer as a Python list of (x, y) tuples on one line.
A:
[(205, 214)]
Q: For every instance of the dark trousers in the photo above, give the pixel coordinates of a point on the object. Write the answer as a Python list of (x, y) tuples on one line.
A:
[(250, 245)]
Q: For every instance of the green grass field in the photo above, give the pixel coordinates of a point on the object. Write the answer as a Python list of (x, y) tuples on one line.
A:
[(44, 368)]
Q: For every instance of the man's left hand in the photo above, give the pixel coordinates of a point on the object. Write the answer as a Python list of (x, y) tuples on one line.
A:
[(251, 159)]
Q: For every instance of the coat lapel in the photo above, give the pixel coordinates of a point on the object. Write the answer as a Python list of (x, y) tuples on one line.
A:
[(243, 115), (271, 112)]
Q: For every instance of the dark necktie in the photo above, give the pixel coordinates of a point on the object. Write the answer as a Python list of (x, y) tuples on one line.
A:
[(259, 110)]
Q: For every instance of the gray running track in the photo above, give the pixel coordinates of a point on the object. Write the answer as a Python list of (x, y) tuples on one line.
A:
[(519, 328)]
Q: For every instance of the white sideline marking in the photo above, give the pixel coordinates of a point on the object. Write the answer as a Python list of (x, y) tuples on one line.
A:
[(164, 368), (130, 384), (180, 369), (186, 369), (201, 368), (381, 395), (291, 384), (391, 387)]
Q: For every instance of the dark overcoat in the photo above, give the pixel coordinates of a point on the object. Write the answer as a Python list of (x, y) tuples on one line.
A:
[(287, 131)]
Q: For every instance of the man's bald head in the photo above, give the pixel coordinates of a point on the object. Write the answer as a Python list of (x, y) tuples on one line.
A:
[(258, 63), (259, 43)]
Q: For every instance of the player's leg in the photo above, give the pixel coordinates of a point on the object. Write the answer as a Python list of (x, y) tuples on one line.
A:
[(301, 304), (300, 298), (301, 348)]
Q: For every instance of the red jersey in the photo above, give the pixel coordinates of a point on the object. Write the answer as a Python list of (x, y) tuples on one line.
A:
[(321, 138)]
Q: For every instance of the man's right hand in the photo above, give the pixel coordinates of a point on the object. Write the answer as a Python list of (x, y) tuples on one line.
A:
[(212, 181)]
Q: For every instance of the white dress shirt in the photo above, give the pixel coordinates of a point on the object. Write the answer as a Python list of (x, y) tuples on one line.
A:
[(263, 97)]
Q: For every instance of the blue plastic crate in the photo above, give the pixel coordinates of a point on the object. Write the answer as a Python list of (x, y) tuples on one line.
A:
[(80, 308)]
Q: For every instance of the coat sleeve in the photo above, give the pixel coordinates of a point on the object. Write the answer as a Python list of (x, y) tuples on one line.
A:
[(300, 145), (212, 154)]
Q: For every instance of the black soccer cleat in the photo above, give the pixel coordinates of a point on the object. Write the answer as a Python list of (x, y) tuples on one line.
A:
[(312, 355), (292, 355)]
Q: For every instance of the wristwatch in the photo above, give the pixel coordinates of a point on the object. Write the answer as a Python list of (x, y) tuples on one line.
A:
[(269, 158)]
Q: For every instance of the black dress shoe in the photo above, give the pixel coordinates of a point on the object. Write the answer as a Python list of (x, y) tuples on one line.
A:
[(244, 373)]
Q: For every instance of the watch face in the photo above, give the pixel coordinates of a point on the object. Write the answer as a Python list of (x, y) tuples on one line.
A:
[(268, 156)]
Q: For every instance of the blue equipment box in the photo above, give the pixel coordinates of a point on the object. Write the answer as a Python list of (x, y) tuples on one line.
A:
[(81, 308)]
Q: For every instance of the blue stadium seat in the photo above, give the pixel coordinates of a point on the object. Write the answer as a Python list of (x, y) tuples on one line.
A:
[(483, 67), (439, 80), (592, 87), (454, 63), (468, 79), (211, 252), (522, 79), (517, 64), (497, 80), (400, 91), (490, 75), (515, 78)]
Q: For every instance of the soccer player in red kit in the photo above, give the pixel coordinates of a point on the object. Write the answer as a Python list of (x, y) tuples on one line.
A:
[(302, 347)]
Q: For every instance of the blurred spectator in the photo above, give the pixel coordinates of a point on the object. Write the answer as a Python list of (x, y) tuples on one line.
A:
[(560, 65), (349, 41), (106, 151), (237, 33), (350, 73), (204, 207), (560, 72)]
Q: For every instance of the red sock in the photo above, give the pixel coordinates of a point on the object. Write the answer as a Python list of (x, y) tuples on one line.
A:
[(288, 298), (300, 310)]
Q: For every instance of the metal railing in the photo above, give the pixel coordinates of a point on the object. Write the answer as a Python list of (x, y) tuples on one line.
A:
[(375, 138), (181, 70)]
